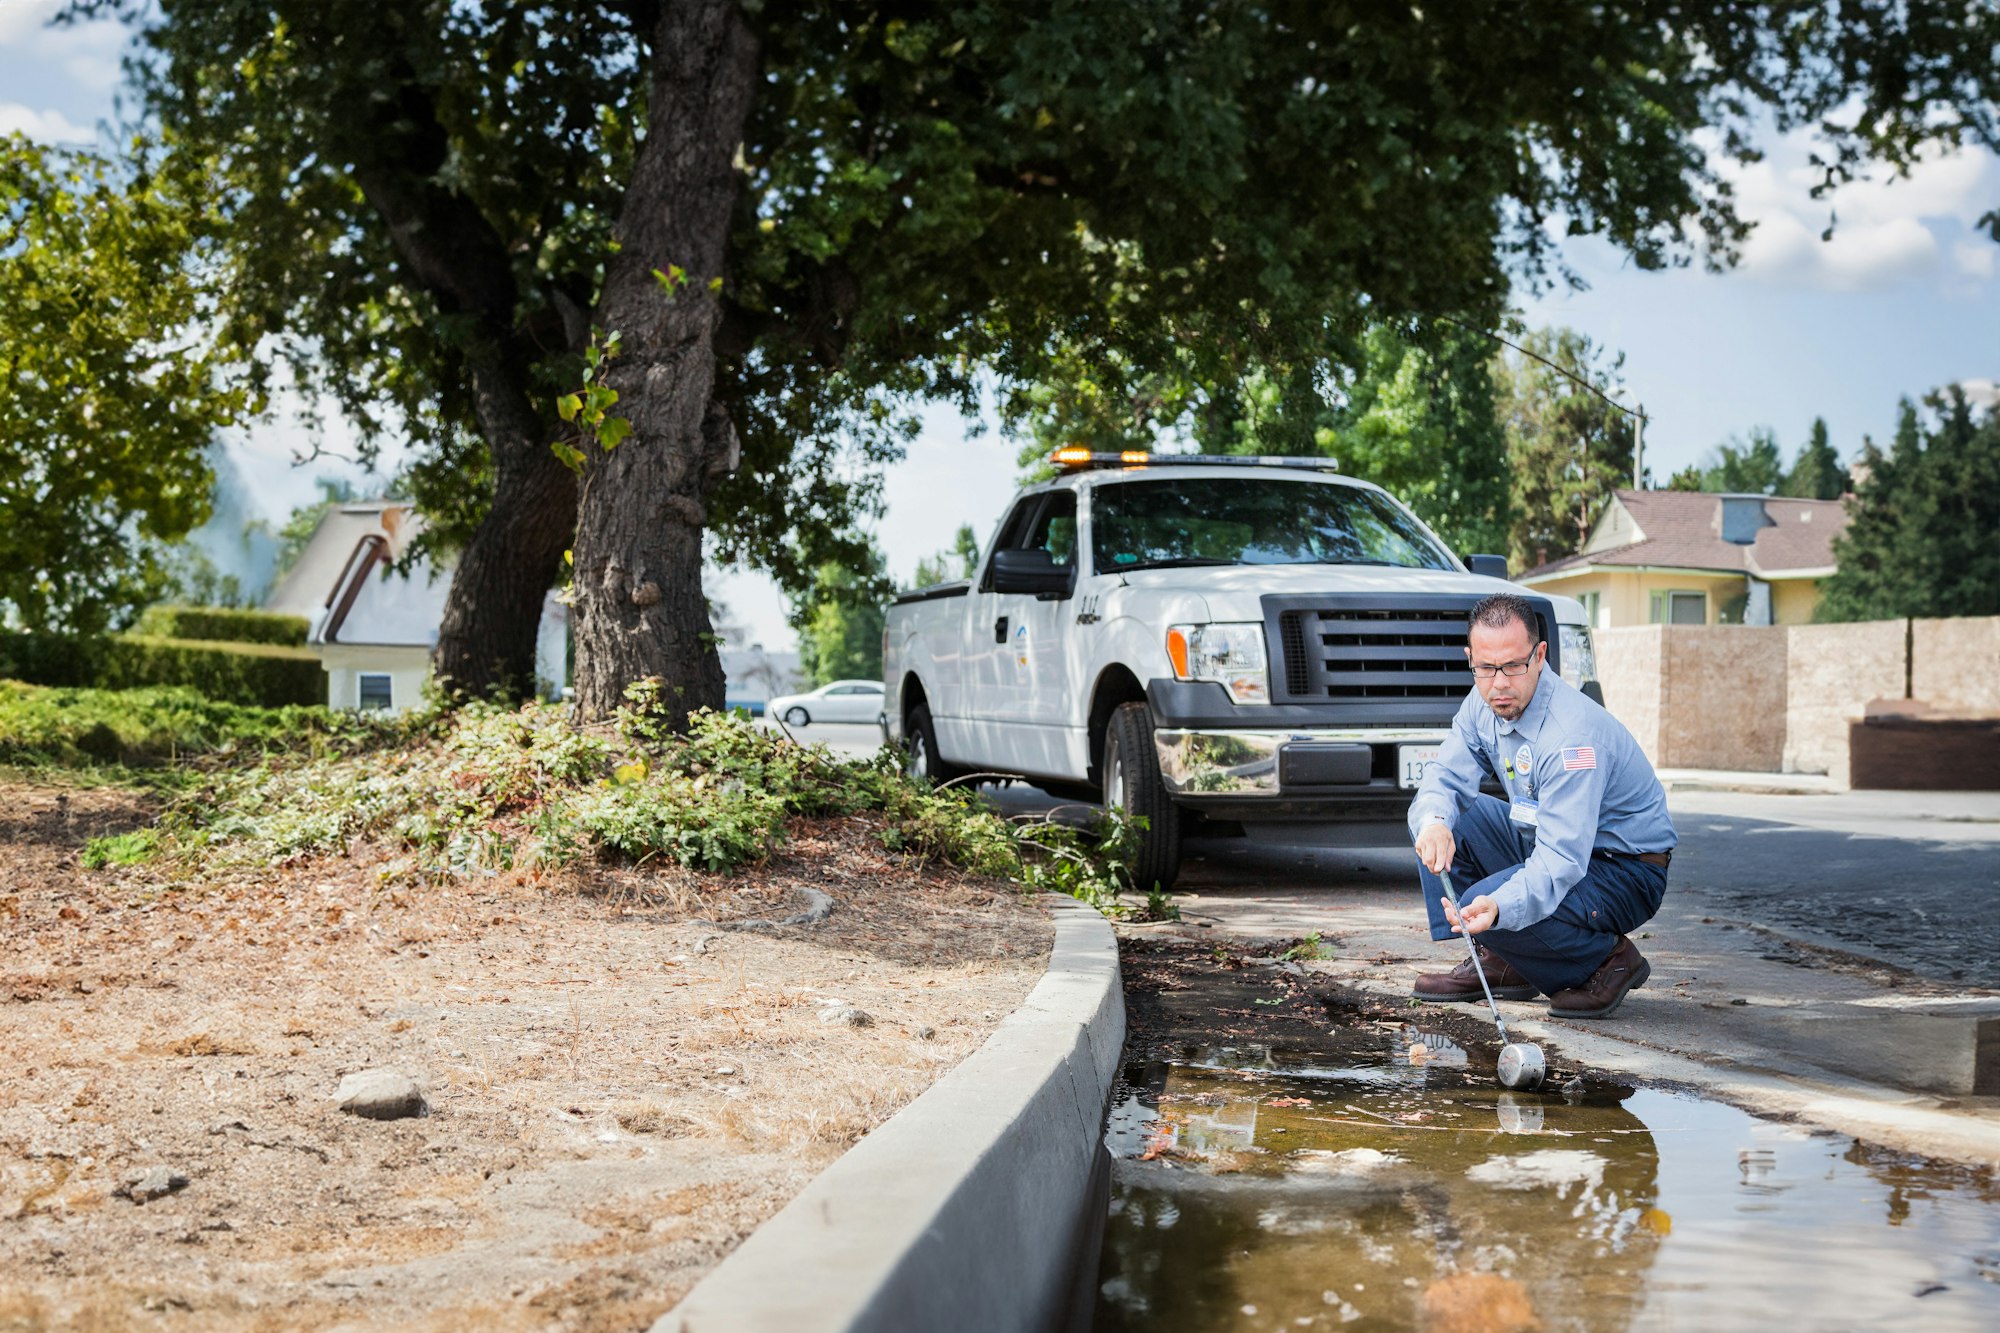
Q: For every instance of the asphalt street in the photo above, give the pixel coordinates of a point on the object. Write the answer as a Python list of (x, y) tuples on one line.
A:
[(1902, 877)]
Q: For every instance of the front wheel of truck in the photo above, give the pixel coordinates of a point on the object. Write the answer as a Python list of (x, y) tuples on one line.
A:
[(921, 757), (1132, 786)]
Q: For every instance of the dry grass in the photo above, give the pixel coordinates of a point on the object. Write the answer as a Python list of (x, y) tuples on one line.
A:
[(620, 1089)]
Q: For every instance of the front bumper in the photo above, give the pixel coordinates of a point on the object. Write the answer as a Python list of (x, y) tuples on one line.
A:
[(1287, 760), (1335, 764)]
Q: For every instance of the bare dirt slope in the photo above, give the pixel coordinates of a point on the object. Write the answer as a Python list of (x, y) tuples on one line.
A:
[(618, 1090)]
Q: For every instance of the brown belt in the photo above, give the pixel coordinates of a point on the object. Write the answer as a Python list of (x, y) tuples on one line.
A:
[(1661, 859)]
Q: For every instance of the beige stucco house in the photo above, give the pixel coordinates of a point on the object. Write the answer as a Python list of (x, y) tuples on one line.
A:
[(1691, 558), (374, 628)]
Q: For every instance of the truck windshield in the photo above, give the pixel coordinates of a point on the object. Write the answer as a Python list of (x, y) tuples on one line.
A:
[(1253, 521)]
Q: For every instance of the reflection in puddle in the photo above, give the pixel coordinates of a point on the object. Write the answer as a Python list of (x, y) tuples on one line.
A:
[(1262, 1189)]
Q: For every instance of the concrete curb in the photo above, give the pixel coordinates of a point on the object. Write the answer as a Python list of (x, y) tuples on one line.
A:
[(977, 1203)]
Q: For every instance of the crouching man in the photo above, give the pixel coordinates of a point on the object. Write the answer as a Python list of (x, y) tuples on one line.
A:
[(1553, 879)]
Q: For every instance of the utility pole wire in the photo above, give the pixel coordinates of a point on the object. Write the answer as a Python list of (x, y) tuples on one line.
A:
[(1565, 373), (1638, 414)]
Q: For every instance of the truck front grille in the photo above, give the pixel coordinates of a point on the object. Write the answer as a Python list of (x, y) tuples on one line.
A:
[(1384, 659), (1351, 653)]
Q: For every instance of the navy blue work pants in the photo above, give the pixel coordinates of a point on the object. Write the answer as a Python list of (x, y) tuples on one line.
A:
[(1616, 896)]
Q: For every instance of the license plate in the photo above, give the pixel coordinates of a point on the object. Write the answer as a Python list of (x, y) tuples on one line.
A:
[(1411, 760)]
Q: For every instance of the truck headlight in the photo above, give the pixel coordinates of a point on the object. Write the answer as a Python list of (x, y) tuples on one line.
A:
[(1579, 657), (1230, 654)]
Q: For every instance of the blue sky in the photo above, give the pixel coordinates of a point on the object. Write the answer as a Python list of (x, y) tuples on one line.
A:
[(1906, 298)]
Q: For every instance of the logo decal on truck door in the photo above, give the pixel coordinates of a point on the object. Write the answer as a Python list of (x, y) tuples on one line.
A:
[(1021, 645)]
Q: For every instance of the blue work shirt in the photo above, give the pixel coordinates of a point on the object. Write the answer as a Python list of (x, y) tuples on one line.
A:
[(1574, 777)]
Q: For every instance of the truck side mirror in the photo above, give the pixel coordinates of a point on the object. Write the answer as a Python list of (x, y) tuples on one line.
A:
[(1489, 566), (1031, 571)]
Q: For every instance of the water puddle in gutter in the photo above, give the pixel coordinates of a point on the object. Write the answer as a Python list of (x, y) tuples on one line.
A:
[(1350, 1186)]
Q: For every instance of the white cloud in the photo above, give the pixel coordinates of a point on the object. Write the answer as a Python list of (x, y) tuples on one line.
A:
[(1982, 393), (41, 126), (23, 19), (83, 56), (1975, 258), (1886, 230)]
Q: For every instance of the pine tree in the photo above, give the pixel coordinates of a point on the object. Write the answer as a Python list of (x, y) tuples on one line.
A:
[(1923, 535), (1816, 474), (1739, 467), (1567, 448)]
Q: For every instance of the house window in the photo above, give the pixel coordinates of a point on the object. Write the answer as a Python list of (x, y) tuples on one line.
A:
[(1680, 608), (376, 692), (1593, 615)]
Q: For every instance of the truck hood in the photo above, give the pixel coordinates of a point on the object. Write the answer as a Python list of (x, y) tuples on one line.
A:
[(1233, 592)]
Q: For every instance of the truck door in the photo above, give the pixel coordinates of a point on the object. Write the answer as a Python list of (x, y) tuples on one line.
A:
[(974, 735), (1029, 668), (1047, 687)]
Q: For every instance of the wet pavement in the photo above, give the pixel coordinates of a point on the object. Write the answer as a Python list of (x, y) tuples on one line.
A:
[(1755, 996), (1289, 1157), (1893, 876)]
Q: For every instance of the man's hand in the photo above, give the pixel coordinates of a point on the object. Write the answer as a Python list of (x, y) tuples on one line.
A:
[(1482, 913), (1435, 848)]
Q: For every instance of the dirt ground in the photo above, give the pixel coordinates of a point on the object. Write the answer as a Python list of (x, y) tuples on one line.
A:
[(619, 1088)]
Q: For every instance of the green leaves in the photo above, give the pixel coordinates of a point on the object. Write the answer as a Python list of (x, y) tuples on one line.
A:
[(111, 385), (589, 408), (611, 432)]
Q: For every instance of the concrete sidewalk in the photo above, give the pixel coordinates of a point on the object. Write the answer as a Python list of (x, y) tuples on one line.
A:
[(1720, 779)]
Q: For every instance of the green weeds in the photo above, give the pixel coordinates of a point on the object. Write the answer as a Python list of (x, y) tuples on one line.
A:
[(1311, 949), (487, 789), (120, 849)]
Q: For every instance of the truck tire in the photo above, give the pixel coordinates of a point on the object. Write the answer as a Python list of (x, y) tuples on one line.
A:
[(1132, 785), (920, 741)]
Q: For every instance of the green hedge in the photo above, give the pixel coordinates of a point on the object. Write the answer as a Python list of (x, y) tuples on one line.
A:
[(217, 624), (84, 726), (238, 673), (48, 659), (265, 675)]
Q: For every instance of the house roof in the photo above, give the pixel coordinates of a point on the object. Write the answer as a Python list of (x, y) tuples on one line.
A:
[(1684, 530), (303, 591), (340, 584)]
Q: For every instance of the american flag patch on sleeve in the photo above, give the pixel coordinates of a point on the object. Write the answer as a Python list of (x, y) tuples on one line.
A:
[(1582, 756)]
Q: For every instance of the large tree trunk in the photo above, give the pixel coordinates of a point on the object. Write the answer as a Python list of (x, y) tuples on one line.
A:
[(399, 148), (639, 604), (493, 612)]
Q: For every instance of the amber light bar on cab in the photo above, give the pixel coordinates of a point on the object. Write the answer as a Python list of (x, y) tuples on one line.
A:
[(1078, 459)]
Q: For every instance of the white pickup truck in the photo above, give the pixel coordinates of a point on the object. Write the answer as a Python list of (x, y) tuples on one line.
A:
[(1253, 644)]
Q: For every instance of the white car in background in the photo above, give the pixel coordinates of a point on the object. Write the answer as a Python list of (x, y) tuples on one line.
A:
[(840, 701)]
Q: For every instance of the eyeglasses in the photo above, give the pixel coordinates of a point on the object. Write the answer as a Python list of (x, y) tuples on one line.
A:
[(1487, 670)]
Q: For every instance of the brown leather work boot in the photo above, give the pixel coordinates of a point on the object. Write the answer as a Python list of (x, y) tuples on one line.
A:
[(1462, 983), (1600, 996)]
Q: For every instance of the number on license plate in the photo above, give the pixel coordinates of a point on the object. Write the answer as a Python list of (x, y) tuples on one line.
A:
[(1411, 760)]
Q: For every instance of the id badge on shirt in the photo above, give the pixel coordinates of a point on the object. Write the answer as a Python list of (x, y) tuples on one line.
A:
[(1524, 812)]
